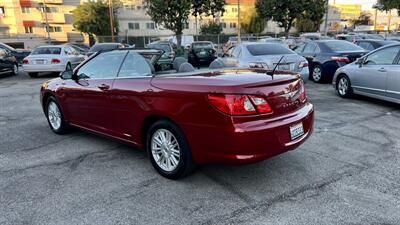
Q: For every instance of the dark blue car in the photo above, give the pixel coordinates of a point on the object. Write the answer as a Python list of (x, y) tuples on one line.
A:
[(372, 44), (326, 56)]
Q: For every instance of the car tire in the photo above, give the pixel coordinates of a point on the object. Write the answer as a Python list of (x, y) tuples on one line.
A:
[(33, 75), (317, 74), (15, 69), (55, 117), (343, 86), (169, 150)]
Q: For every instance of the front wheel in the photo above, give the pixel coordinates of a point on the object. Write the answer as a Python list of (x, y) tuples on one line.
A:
[(15, 69), (168, 150), (55, 117), (344, 88)]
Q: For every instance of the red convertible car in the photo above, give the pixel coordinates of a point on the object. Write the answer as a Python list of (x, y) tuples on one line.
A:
[(182, 118)]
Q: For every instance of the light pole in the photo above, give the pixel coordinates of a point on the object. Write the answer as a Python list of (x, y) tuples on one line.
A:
[(239, 27), (326, 18), (111, 12)]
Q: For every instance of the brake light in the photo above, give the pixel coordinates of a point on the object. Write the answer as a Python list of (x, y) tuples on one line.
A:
[(239, 105), (55, 61), (340, 59), (303, 94), (258, 65), (25, 61), (303, 64)]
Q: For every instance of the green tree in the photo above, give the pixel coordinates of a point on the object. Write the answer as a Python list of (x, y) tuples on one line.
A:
[(93, 18), (255, 25), (211, 28), (174, 14), (363, 19), (284, 12), (387, 5), (312, 17)]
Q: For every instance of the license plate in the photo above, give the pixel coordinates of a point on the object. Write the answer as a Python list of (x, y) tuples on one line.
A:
[(40, 61), (202, 53), (296, 131), (284, 67)]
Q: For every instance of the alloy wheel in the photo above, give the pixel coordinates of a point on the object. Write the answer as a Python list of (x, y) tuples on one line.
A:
[(343, 86), (54, 115), (317, 73), (165, 150)]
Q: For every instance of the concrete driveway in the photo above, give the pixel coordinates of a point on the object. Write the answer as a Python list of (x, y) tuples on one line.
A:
[(348, 172)]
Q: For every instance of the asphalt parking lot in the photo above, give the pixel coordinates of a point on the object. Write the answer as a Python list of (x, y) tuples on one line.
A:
[(348, 172)]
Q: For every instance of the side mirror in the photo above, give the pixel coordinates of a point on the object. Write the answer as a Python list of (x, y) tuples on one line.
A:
[(66, 74)]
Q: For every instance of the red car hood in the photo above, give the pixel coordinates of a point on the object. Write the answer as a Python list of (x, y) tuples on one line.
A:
[(226, 81)]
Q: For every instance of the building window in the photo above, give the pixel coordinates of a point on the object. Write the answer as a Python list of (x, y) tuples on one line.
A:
[(234, 9), (133, 26), (232, 25), (50, 9), (223, 25), (2, 10), (25, 10), (55, 29), (150, 26), (186, 26), (28, 30)]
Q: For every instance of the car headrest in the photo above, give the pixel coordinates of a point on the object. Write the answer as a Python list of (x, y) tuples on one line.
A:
[(178, 62), (216, 64), (186, 67)]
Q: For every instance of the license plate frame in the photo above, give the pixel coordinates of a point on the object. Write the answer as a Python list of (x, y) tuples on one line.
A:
[(284, 67), (296, 131), (39, 61)]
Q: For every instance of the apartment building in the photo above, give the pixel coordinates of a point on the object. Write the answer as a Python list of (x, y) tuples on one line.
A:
[(27, 19)]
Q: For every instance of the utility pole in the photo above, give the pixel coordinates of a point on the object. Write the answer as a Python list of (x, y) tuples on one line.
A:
[(375, 20), (47, 22), (326, 18), (111, 12), (390, 18), (239, 27)]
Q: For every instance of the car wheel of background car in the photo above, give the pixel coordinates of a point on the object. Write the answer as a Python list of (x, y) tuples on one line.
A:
[(168, 150), (344, 86), (316, 74), (33, 75), (15, 69), (55, 116)]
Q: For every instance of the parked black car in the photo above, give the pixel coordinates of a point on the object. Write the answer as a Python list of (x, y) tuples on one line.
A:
[(201, 53), (326, 56), (18, 54), (8, 63), (372, 44)]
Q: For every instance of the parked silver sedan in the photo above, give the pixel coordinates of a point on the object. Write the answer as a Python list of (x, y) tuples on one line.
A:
[(376, 75), (265, 55), (51, 58)]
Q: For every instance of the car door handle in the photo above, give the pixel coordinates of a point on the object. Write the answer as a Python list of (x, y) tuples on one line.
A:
[(104, 87), (382, 70)]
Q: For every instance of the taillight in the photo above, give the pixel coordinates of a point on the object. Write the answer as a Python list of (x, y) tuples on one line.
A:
[(25, 61), (258, 65), (239, 105), (55, 61), (303, 94), (340, 59), (303, 64)]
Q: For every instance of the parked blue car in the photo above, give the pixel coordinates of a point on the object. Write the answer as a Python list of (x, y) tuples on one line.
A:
[(326, 56)]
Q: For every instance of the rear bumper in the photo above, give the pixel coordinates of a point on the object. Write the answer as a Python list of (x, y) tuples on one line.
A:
[(44, 68), (250, 142)]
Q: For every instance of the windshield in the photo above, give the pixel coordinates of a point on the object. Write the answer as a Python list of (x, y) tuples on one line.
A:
[(164, 47), (8, 47), (46, 51), (97, 48), (203, 46), (268, 49), (342, 46)]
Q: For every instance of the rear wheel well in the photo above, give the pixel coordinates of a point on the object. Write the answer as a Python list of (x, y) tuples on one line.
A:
[(150, 120)]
